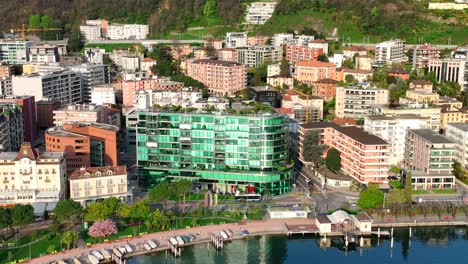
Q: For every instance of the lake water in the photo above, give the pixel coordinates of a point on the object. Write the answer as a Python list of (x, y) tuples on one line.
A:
[(427, 245)]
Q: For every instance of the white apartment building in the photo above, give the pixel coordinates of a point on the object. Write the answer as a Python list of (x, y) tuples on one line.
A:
[(254, 56), (14, 51), (273, 70), (128, 31), (91, 32), (259, 12), (29, 176), (95, 55), (6, 86), (281, 39), (44, 54), (64, 86), (391, 51), (91, 75), (236, 39), (103, 94), (130, 63), (458, 133), (95, 183), (424, 110), (319, 44), (359, 101), (393, 128), (148, 98), (450, 70)]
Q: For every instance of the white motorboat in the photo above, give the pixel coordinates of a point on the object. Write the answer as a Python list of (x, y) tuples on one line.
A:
[(93, 259), (128, 248), (223, 234), (173, 241), (152, 244), (180, 241), (97, 254), (117, 252), (106, 254), (147, 247)]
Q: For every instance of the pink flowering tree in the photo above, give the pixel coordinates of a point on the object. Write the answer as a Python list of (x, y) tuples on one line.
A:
[(102, 229)]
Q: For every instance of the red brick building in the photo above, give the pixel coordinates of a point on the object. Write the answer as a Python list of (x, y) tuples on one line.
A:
[(295, 53)]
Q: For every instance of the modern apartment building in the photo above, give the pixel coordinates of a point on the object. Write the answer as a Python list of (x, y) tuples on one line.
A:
[(95, 183), (236, 39), (265, 94), (44, 54), (391, 51), (91, 75), (44, 108), (364, 157), (127, 31), (86, 113), (91, 32), (219, 152), (424, 110), (359, 101), (11, 127), (300, 103), (64, 86), (95, 55), (295, 53), (325, 88), (227, 54), (130, 87), (222, 78), (458, 133), (393, 128), (450, 70), (259, 12), (103, 94), (254, 56), (6, 86), (28, 110), (31, 177), (311, 71), (281, 39), (14, 51), (429, 156), (84, 144), (423, 54)]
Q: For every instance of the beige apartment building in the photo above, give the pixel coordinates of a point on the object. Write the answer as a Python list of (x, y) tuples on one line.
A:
[(311, 71), (357, 102), (222, 78), (86, 113), (97, 183), (450, 114), (29, 176)]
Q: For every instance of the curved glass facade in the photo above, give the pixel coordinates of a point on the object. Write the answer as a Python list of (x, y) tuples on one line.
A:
[(225, 152)]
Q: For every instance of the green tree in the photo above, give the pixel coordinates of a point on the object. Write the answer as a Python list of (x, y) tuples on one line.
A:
[(284, 68), (45, 21), (51, 249), (333, 160), (396, 196), (209, 9), (313, 151), (260, 75), (140, 209), (22, 214), (157, 220), (161, 193), (371, 197), (323, 58), (450, 89), (69, 238), (98, 211), (348, 64), (181, 188), (66, 209), (409, 188), (5, 217), (75, 41), (349, 78), (34, 21)]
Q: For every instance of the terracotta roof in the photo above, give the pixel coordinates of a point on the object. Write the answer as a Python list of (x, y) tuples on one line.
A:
[(355, 48), (217, 62), (344, 121), (319, 41), (315, 64), (93, 172), (148, 60), (287, 98), (327, 80), (284, 110), (227, 49), (421, 82), (27, 151)]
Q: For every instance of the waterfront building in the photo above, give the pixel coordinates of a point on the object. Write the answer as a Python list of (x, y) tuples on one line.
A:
[(11, 127), (254, 56), (14, 51), (84, 144), (359, 101), (458, 133), (31, 177), (64, 86), (236, 39), (364, 157), (309, 72), (29, 115), (217, 151), (393, 128), (391, 51), (259, 12), (222, 78), (96, 183)]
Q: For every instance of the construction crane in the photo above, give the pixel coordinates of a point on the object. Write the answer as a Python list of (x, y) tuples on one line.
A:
[(23, 30), (307, 117)]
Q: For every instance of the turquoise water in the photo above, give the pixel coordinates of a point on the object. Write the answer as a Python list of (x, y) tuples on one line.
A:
[(427, 245)]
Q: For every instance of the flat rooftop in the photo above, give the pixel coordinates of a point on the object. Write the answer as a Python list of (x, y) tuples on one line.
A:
[(431, 136), (461, 126), (394, 117)]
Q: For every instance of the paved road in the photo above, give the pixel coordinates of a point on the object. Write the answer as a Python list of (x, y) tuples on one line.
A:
[(147, 41), (370, 45)]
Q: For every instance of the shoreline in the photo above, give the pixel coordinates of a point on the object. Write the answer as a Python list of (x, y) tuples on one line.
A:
[(255, 228)]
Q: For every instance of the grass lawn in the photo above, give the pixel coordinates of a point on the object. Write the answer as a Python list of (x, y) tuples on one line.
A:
[(444, 191), (396, 184), (37, 249), (420, 192)]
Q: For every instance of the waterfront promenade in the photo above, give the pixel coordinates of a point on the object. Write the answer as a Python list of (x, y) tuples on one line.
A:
[(203, 233)]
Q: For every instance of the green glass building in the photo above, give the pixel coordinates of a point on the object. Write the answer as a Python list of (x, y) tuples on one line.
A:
[(220, 152)]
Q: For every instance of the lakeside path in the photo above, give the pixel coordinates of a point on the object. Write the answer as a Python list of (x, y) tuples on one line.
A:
[(254, 228)]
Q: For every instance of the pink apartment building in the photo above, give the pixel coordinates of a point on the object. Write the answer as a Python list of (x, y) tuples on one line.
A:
[(223, 78), (161, 84), (364, 157), (311, 71), (227, 54), (296, 53)]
